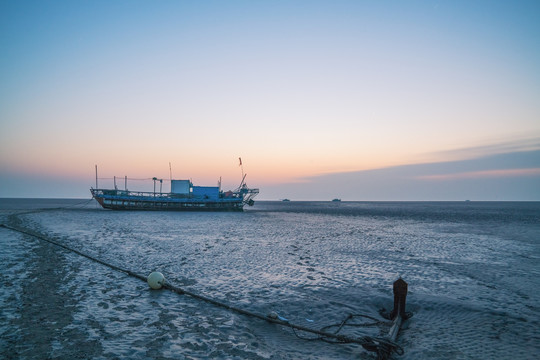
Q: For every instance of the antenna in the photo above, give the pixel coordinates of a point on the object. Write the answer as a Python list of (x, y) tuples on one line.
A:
[(170, 171)]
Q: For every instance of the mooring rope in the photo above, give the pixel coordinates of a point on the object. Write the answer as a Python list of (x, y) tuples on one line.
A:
[(79, 205), (375, 344)]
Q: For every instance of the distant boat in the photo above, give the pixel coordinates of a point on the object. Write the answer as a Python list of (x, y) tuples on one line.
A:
[(183, 196), (285, 200), (336, 200)]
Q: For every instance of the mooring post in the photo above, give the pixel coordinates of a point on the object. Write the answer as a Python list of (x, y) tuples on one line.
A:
[(400, 297), (397, 315)]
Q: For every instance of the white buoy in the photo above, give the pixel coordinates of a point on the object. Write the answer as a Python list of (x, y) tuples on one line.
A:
[(272, 315), (156, 280)]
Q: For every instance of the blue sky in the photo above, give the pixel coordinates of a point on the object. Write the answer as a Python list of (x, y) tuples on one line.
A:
[(301, 90)]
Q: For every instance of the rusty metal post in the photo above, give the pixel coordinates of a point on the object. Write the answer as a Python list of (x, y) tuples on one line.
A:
[(398, 315), (400, 298)]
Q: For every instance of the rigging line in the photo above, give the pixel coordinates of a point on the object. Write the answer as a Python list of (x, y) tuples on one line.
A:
[(136, 179), (147, 179), (367, 342)]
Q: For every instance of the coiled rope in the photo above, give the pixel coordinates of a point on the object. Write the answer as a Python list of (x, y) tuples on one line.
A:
[(375, 344)]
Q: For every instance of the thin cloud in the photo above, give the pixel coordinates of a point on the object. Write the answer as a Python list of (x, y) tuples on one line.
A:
[(517, 145), (504, 176), (483, 174)]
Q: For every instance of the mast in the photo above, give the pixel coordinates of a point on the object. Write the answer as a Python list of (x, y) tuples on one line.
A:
[(242, 167), (96, 178), (243, 175)]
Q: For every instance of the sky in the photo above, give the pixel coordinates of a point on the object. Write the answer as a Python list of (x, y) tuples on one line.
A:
[(361, 100)]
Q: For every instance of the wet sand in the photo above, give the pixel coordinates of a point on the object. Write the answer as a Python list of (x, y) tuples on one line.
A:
[(470, 290)]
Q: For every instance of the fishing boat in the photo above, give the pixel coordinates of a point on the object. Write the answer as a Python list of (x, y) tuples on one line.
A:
[(184, 195)]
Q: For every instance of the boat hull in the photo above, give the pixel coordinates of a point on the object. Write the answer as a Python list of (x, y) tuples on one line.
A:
[(160, 203)]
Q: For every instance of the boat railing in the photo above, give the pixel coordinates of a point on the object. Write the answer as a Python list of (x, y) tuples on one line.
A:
[(112, 192)]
